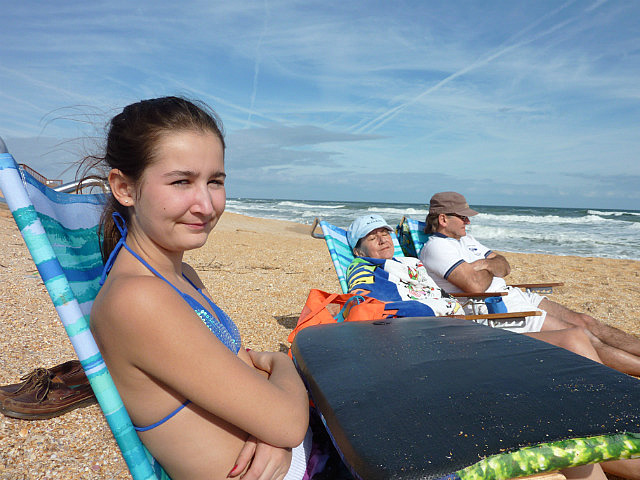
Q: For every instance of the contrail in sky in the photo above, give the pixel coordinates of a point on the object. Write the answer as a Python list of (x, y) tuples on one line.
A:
[(383, 118), (39, 83), (221, 101), (256, 69), (595, 5)]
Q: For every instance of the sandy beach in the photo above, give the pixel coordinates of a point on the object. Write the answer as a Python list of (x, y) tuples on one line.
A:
[(260, 272)]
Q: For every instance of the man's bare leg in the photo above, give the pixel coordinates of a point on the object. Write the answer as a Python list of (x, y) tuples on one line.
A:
[(612, 357), (573, 339), (606, 333)]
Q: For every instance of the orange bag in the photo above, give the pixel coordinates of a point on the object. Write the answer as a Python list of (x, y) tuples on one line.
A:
[(322, 307)]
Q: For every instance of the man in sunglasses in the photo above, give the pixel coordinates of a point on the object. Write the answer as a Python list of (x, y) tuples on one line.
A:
[(457, 262)]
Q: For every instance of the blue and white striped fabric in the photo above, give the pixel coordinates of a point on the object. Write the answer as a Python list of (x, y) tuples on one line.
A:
[(61, 233), (411, 236), (341, 254)]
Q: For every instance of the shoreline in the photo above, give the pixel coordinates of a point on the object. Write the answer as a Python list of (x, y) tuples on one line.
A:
[(259, 271)]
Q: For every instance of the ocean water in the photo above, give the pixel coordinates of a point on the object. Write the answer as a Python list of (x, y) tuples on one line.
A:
[(557, 231)]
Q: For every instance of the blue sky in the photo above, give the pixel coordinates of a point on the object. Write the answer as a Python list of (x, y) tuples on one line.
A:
[(509, 102)]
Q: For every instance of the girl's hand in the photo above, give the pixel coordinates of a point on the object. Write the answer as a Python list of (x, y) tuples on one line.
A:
[(264, 461)]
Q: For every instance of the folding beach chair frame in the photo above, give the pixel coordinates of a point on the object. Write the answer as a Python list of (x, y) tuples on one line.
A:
[(22, 191)]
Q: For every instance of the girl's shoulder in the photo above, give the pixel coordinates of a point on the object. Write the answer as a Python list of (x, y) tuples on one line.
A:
[(131, 302)]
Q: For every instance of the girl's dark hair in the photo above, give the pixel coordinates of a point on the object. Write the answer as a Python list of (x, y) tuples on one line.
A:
[(131, 142)]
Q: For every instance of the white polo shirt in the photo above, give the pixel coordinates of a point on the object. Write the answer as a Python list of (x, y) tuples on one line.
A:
[(442, 254)]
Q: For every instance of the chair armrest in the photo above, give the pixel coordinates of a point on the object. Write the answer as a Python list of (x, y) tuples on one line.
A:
[(476, 298), (478, 294), (538, 287), (499, 316)]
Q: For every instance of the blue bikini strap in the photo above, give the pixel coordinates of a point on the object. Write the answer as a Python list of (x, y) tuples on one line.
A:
[(122, 227), (160, 422)]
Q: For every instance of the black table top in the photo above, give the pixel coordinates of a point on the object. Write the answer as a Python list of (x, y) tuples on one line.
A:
[(423, 398)]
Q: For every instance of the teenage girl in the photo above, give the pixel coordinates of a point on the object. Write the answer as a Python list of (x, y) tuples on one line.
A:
[(203, 405)]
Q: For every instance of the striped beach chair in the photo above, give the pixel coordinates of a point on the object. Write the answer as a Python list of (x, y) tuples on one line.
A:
[(341, 254), (61, 233), (411, 236)]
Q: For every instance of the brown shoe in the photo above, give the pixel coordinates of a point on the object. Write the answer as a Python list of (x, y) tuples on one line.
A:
[(69, 373), (48, 399)]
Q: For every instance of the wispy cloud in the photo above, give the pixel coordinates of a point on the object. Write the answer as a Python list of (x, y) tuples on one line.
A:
[(279, 145)]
